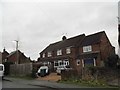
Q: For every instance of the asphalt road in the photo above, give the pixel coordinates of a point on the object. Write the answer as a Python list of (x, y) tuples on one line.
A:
[(15, 83), (7, 84)]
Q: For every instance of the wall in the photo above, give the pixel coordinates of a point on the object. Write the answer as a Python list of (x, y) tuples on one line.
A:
[(21, 69), (106, 47)]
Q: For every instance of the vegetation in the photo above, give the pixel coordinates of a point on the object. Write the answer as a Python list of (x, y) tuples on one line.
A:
[(86, 83), (34, 71), (112, 61), (7, 67)]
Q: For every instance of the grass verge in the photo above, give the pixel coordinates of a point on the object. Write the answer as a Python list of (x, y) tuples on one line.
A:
[(85, 83)]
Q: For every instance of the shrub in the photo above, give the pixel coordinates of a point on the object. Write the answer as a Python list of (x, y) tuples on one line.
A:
[(33, 74), (7, 68)]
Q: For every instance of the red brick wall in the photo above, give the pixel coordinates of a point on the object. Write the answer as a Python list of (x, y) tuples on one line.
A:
[(105, 47)]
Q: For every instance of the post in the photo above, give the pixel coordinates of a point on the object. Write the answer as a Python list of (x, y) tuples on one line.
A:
[(17, 56)]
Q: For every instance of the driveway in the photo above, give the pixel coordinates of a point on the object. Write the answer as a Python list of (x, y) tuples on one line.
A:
[(51, 77)]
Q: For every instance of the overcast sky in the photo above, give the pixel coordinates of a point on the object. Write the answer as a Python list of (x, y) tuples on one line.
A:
[(37, 24)]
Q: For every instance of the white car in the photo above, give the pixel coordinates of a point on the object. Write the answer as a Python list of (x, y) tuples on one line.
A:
[(43, 71), (60, 68), (1, 70)]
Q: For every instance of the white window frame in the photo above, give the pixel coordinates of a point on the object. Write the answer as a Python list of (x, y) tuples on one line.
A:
[(59, 52), (78, 61), (87, 48), (68, 50), (49, 54), (66, 63), (43, 55), (57, 64), (60, 61), (94, 62), (83, 65)]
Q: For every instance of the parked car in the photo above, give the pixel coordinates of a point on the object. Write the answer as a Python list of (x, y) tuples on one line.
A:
[(1, 70), (43, 71), (60, 68)]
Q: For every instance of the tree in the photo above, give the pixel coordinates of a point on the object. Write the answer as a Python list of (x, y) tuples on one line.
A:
[(112, 61)]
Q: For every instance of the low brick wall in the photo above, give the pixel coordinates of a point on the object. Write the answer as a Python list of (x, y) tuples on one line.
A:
[(70, 74)]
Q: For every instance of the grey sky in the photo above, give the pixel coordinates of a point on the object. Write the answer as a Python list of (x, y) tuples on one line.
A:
[(38, 24)]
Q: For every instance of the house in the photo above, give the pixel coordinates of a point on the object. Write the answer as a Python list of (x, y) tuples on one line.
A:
[(79, 51), (61, 53), (4, 55), (17, 57), (94, 50)]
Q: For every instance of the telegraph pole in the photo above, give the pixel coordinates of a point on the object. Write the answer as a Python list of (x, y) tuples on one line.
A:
[(119, 50), (17, 56), (119, 32)]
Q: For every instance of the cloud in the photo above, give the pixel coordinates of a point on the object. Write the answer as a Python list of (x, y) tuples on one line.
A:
[(36, 25)]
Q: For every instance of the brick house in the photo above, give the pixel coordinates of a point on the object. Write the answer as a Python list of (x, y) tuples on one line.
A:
[(78, 51), (4, 55), (18, 55), (94, 49), (60, 53)]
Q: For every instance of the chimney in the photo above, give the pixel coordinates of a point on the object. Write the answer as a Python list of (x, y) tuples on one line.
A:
[(64, 38), (4, 49)]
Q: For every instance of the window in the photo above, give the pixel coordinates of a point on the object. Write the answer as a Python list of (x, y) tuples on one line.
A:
[(89, 62), (78, 62), (59, 52), (66, 62), (60, 63), (49, 54), (68, 51), (43, 55), (87, 48), (55, 63), (1, 68)]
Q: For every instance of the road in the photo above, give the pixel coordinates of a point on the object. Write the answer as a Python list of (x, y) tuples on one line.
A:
[(15, 83), (12, 84)]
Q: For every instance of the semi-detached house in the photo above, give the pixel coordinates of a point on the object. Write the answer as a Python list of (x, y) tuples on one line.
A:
[(77, 52)]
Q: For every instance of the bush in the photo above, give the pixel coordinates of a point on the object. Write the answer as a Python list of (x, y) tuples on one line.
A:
[(33, 74), (112, 61), (7, 68)]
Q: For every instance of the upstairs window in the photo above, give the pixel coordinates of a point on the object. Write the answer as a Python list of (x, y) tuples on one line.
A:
[(49, 54), (87, 48), (68, 50), (43, 55), (59, 52)]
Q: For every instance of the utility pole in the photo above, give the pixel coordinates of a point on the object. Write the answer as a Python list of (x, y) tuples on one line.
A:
[(119, 50), (17, 54), (119, 31)]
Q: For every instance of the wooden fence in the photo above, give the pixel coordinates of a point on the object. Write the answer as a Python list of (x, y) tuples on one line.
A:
[(21, 69)]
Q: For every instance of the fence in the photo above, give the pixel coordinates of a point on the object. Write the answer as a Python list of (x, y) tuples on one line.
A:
[(21, 69)]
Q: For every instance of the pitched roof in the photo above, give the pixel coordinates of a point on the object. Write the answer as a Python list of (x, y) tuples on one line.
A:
[(92, 39), (14, 52), (65, 43)]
